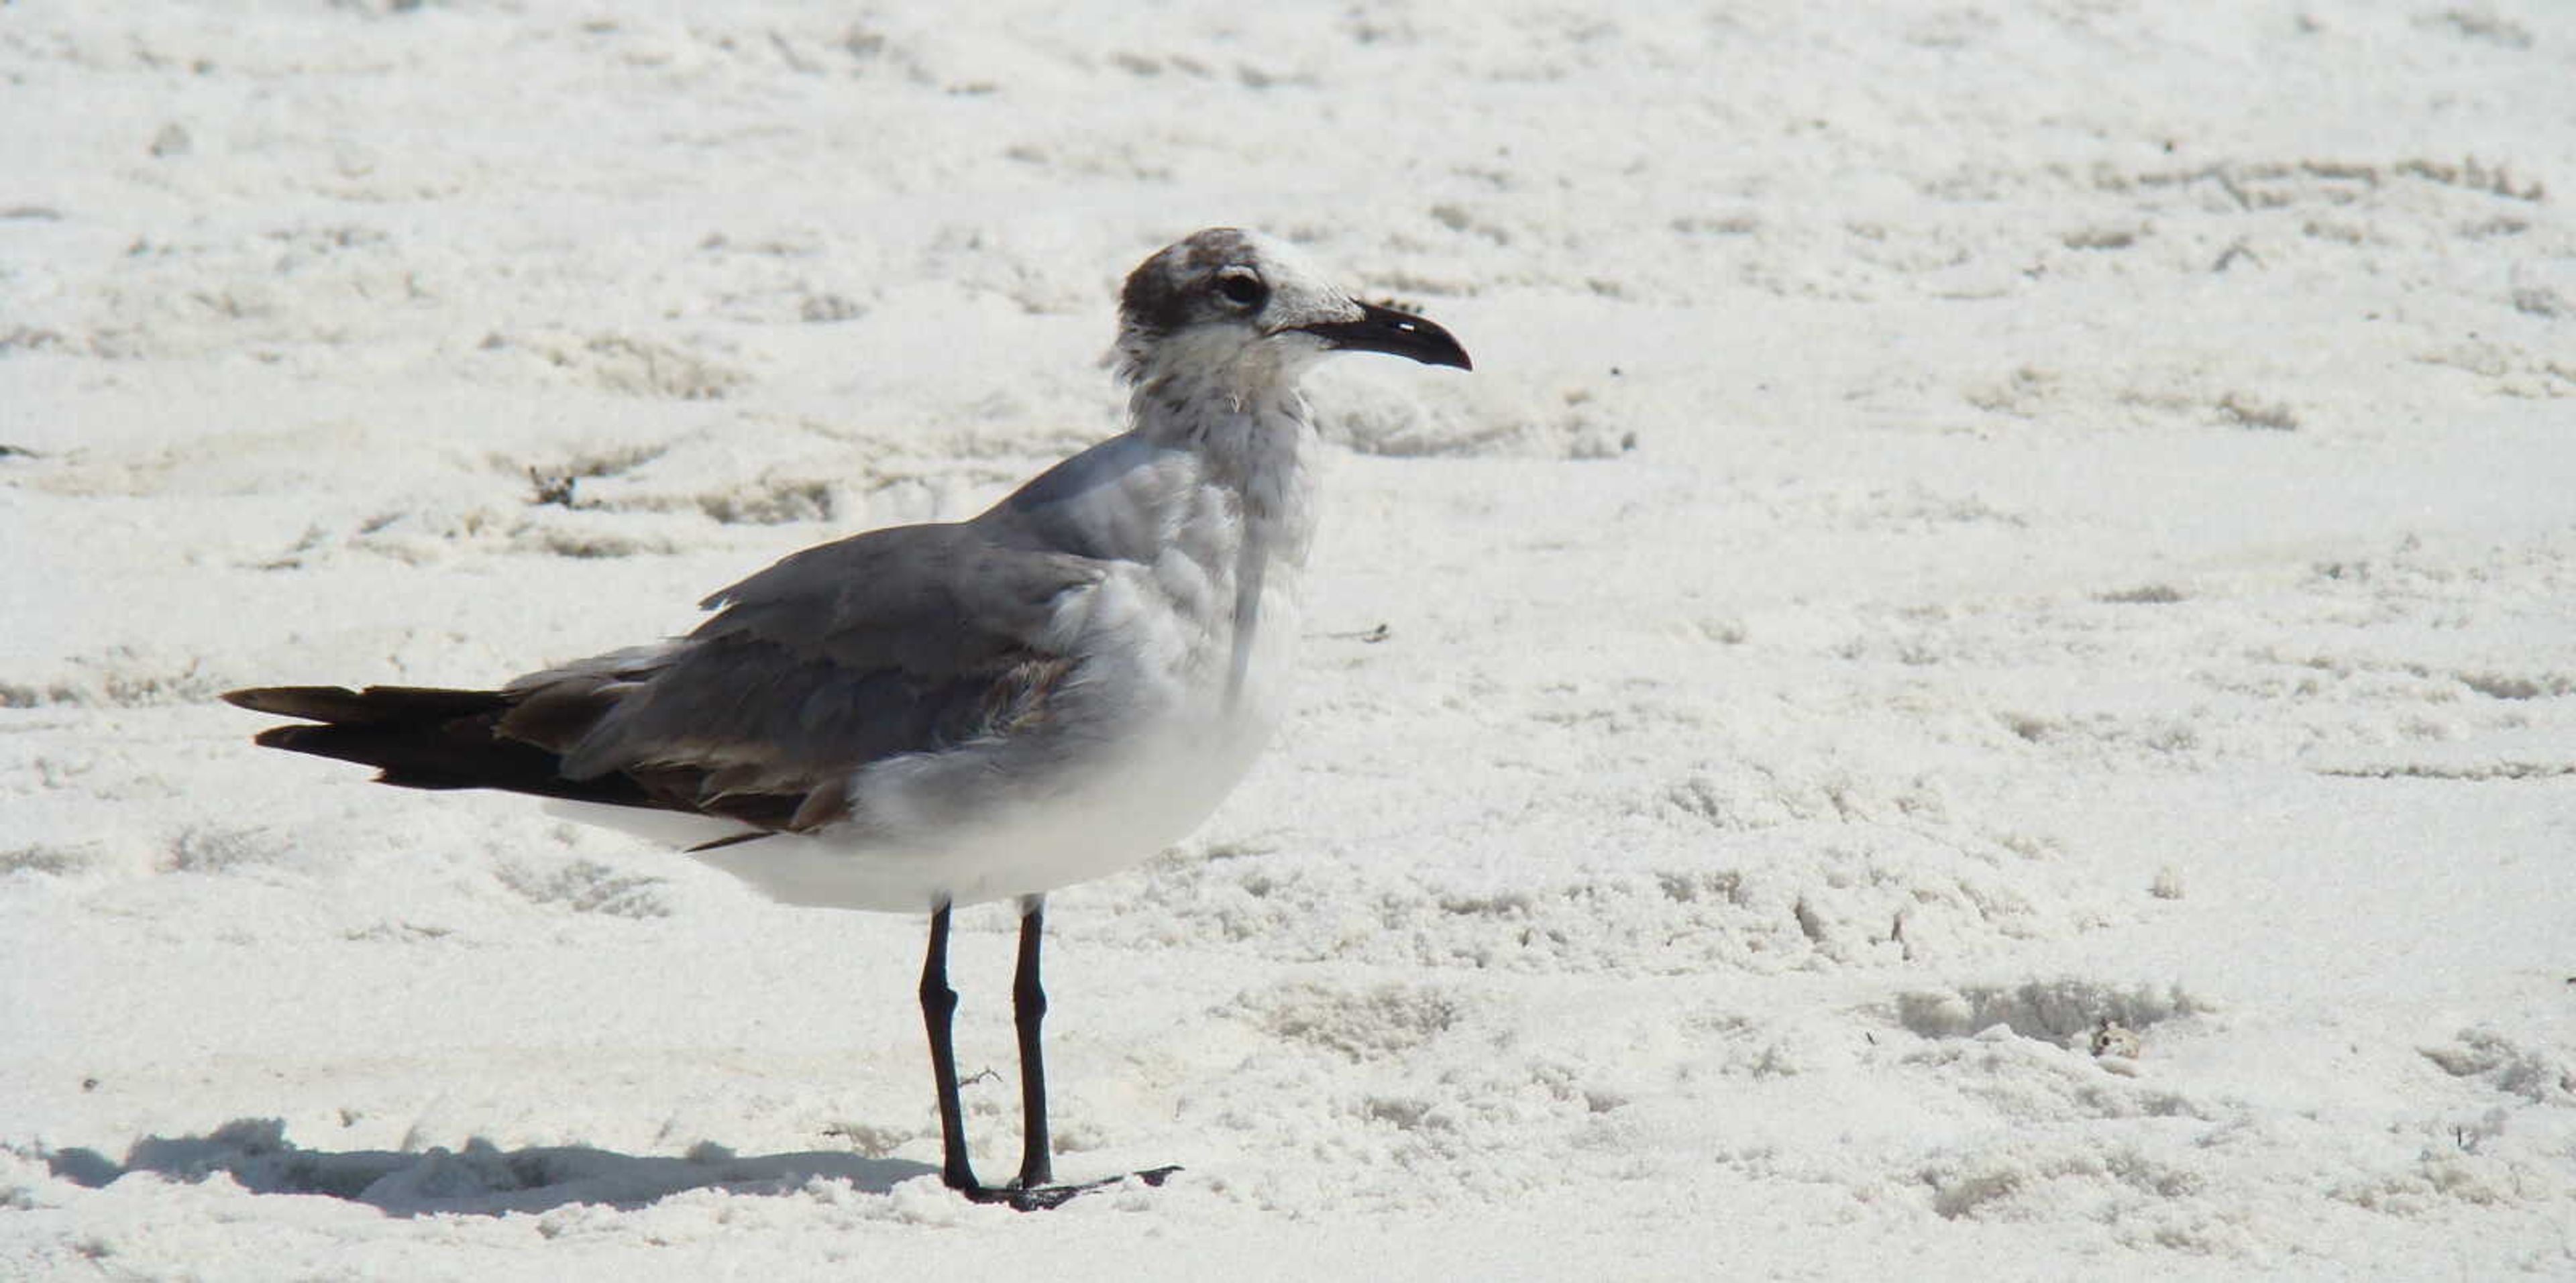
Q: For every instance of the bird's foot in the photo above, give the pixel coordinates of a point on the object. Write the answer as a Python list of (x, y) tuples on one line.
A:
[(1042, 1197)]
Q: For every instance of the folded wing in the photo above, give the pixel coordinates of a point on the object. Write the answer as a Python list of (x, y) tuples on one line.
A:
[(914, 640)]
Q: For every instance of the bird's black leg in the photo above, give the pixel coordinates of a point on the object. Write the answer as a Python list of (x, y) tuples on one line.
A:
[(1031, 1192), (938, 1005), (1028, 1010)]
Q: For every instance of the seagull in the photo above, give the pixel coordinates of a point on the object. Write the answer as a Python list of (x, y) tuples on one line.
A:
[(922, 717)]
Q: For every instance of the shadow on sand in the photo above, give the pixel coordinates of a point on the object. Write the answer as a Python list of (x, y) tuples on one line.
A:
[(476, 1180)]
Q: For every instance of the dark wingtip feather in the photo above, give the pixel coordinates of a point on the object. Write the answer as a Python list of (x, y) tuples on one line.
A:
[(432, 738), (283, 701), (374, 706), (285, 737)]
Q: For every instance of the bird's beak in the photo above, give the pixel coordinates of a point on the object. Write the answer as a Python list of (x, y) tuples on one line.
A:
[(1383, 329)]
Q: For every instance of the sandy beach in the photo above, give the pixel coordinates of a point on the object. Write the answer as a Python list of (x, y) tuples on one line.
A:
[(1981, 681)]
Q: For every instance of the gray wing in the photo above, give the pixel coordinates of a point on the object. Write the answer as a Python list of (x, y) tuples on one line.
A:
[(896, 641)]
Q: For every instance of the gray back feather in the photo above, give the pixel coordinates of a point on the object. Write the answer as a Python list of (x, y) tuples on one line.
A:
[(894, 641)]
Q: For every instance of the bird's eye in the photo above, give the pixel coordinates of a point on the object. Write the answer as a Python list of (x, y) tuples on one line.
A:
[(1241, 287)]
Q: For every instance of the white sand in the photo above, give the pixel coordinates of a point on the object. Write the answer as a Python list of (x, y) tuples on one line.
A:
[(1969, 523)]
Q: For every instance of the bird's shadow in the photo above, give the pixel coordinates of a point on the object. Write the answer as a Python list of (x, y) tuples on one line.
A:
[(480, 1179)]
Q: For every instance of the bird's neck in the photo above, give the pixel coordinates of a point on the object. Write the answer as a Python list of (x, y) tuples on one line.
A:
[(1252, 438)]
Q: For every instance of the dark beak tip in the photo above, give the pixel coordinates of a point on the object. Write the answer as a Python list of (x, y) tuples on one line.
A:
[(1384, 329), (1440, 347), (1443, 350)]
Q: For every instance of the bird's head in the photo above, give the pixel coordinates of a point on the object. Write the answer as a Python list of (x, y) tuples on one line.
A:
[(1238, 307)]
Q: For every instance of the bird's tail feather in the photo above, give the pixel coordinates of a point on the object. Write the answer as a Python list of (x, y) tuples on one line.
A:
[(426, 738)]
